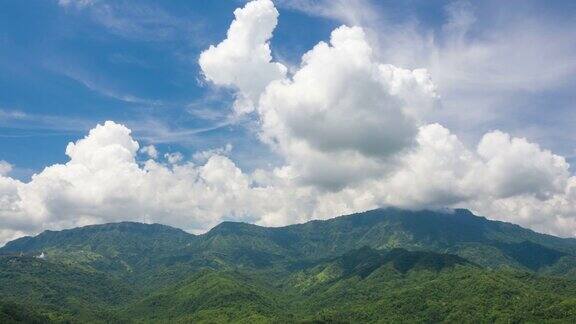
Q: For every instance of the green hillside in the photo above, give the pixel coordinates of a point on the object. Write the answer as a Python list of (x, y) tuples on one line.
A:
[(383, 265), (60, 291), (488, 243), (428, 287), (12, 313), (219, 296), (365, 285)]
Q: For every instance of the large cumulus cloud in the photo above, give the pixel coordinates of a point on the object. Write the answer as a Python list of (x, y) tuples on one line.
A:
[(243, 61), (354, 133), (104, 182), (343, 116), (340, 117)]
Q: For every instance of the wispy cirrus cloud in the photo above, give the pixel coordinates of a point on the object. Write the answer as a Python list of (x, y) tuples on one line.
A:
[(353, 12), (157, 132), (40, 124), (102, 87), (76, 3), (141, 21), (147, 130)]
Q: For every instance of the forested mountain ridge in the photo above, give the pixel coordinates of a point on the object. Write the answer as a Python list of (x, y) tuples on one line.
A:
[(341, 269), (485, 242)]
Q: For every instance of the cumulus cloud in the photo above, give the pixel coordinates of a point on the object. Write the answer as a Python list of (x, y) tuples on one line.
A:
[(150, 151), (341, 114), (486, 58), (340, 100), (348, 123), (442, 171), (174, 157), (203, 156), (516, 167), (5, 168), (102, 182), (243, 60), (354, 134), (340, 103)]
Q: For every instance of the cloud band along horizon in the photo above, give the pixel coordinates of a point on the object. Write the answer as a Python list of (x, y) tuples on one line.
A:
[(354, 134)]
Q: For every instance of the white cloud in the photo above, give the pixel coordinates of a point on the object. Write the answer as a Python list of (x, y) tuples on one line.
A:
[(442, 171), (343, 121), (76, 3), (139, 21), (43, 124), (474, 47), (243, 60), (439, 172), (204, 156), (100, 87), (150, 150), (5, 168), (346, 122), (352, 12), (174, 157), (102, 182), (516, 167), (496, 64), (342, 116)]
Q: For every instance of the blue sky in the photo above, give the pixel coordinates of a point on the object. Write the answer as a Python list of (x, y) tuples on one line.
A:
[(415, 104), (66, 68)]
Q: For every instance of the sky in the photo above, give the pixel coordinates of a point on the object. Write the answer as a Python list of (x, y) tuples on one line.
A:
[(189, 113)]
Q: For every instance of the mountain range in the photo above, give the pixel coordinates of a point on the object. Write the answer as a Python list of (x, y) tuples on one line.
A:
[(384, 265)]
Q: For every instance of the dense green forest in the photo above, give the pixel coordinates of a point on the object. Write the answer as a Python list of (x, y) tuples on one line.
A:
[(386, 265)]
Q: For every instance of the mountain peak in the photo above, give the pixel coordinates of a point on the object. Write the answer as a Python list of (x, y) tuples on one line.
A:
[(230, 227), (95, 235)]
